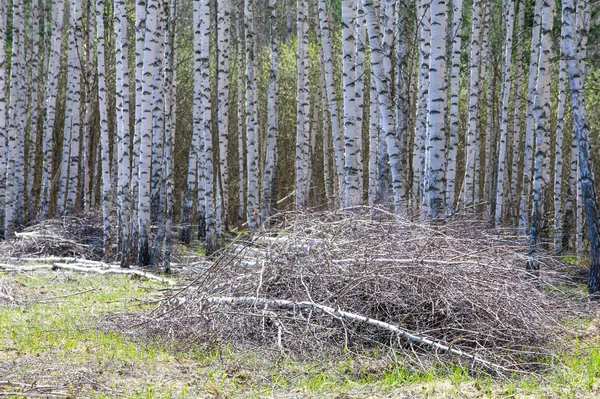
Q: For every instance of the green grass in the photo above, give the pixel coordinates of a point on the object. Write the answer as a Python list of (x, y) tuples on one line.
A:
[(51, 342)]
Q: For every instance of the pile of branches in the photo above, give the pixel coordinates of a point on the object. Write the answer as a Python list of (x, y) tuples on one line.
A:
[(77, 235), (331, 281)]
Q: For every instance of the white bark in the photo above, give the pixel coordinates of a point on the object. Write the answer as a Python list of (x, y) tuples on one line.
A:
[(517, 117), (361, 42), (386, 103), (336, 131), (252, 209), (506, 85), (436, 148), (558, 151), (470, 185), (158, 132), (373, 141), (303, 108), (421, 132), (34, 113), (145, 156), (352, 195), (140, 36), (268, 195), (529, 122), (206, 133), (454, 97), (3, 103), (223, 41), (51, 98), (541, 108), (240, 123), (14, 125), (124, 137), (104, 134)]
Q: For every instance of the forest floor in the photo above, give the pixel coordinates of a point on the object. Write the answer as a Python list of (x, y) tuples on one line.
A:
[(61, 337), (56, 341)]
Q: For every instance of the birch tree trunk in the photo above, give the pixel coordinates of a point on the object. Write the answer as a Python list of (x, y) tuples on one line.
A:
[(140, 37), (104, 134), (240, 122), (34, 113), (436, 172), (3, 107), (170, 118), (421, 140), (123, 135), (338, 140), (517, 116), (194, 185), (352, 195), (206, 133), (223, 41), (454, 97), (473, 106), (542, 118), (145, 157), (574, 67), (268, 195), (558, 150), (502, 153), (51, 98), (252, 209), (386, 103), (158, 132), (361, 41), (303, 108), (373, 141), (14, 126), (529, 122)]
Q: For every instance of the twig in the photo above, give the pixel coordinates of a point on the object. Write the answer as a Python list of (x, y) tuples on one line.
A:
[(64, 296), (33, 395), (139, 273), (281, 303)]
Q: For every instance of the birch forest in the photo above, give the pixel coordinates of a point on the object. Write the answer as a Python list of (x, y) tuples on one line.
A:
[(180, 120), (299, 198)]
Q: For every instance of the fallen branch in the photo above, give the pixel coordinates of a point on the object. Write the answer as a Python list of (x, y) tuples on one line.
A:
[(285, 304), (33, 395), (406, 261), (85, 269)]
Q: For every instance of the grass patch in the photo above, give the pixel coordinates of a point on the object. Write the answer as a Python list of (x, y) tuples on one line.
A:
[(50, 339)]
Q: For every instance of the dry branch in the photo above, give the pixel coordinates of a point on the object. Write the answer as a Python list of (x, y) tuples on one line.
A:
[(85, 269), (281, 303)]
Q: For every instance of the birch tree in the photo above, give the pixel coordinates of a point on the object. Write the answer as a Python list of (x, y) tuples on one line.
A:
[(338, 140), (529, 121), (542, 116), (386, 105), (506, 84), (252, 209), (51, 98), (223, 44), (558, 150), (104, 134), (145, 156), (34, 102), (473, 105), (454, 97), (436, 173), (352, 195), (303, 108), (268, 196), (13, 132), (581, 128), (123, 135), (3, 106)]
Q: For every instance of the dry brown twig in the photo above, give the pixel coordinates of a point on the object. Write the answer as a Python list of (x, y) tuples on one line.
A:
[(457, 285)]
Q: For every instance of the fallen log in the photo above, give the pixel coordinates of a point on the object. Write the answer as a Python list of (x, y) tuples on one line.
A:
[(110, 270)]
